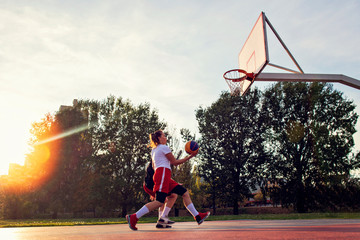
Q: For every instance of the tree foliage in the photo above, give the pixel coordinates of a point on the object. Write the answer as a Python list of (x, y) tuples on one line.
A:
[(309, 135), (119, 135), (231, 145), (294, 142), (90, 156)]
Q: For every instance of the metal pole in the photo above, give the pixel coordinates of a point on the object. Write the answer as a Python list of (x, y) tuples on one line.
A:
[(290, 77), (283, 44)]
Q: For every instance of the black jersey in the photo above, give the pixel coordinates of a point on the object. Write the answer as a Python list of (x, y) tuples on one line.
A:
[(149, 182)]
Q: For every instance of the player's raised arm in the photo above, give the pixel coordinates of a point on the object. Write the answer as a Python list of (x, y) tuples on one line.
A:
[(176, 162)]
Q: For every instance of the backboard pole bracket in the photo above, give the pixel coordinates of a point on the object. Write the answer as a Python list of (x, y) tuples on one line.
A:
[(284, 46), (284, 68)]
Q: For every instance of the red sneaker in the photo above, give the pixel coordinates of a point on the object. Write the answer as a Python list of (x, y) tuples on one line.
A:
[(132, 220), (201, 217)]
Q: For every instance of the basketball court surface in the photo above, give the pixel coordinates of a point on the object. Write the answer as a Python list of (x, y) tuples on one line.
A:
[(233, 229)]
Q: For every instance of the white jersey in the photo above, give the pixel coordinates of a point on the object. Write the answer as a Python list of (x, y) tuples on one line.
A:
[(158, 156)]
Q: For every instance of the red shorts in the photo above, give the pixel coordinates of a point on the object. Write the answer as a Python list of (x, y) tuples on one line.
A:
[(163, 181)]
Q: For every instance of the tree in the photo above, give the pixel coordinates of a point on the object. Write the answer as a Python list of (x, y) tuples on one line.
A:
[(24, 190), (91, 156), (63, 165), (309, 135), (231, 143), (120, 169), (71, 153)]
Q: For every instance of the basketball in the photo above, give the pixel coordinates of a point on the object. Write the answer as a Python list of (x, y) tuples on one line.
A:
[(191, 147)]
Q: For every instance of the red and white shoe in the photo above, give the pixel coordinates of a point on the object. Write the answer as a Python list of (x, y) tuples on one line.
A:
[(201, 217), (132, 220)]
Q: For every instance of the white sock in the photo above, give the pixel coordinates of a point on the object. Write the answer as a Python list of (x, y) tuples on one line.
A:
[(160, 212), (192, 209), (144, 210), (165, 212)]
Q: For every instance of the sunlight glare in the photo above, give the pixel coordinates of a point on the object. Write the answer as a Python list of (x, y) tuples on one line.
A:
[(9, 233), (65, 134), (39, 165), (13, 147)]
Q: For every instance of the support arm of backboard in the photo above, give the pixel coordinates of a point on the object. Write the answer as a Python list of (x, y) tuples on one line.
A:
[(289, 77), (285, 47)]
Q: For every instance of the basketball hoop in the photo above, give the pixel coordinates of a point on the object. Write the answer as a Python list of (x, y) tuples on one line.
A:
[(238, 81)]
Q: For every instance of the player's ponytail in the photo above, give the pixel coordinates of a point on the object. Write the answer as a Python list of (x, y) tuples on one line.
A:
[(154, 138)]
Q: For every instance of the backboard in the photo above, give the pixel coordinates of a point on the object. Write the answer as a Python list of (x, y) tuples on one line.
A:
[(254, 55)]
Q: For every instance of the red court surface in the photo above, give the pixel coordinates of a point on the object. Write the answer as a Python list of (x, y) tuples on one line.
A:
[(235, 229)]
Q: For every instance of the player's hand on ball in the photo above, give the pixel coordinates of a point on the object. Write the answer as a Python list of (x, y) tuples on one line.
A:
[(193, 154)]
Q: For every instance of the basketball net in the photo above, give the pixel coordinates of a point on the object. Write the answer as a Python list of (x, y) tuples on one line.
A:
[(238, 81), (235, 87)]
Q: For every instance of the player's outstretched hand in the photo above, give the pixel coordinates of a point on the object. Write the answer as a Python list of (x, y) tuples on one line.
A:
[(194, 153)]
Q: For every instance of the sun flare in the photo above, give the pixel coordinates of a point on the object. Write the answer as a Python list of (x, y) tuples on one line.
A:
[(39, 165)]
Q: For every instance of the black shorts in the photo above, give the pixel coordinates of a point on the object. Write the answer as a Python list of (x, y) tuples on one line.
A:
[(179, 190)]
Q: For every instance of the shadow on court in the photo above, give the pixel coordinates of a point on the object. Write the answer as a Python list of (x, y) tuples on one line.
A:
[(234, 229)]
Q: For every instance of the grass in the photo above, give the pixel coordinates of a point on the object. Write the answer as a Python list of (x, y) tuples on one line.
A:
[(59, 222), (101, 221)]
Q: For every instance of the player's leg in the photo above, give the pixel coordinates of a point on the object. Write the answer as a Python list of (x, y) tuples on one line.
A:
[(164, 217), (133, 218), (199, 217), (162, 178), (161, 209), (169, 204), (175, 190), (181, 191), (162, 224)]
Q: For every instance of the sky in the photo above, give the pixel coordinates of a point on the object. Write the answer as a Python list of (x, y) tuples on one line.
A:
[(171, 54)]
